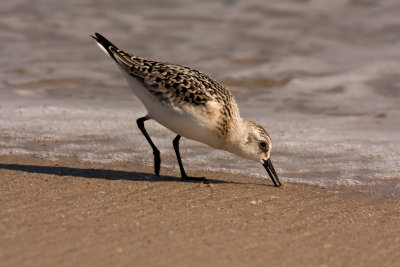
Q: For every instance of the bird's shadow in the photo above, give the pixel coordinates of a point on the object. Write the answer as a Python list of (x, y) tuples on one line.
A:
[(104, 174)]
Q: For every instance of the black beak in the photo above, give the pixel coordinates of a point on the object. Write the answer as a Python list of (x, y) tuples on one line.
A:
[(271, 171)]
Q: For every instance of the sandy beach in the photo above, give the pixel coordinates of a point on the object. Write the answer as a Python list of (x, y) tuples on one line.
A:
[(76, 178), (68, 213)]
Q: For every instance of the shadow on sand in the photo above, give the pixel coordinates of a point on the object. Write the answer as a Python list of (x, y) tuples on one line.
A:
[(103, 174)]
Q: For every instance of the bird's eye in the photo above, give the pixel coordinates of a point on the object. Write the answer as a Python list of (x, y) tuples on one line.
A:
[(262, 144)]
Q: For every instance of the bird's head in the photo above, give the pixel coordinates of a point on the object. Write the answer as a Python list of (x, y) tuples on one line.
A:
[(254, 143)]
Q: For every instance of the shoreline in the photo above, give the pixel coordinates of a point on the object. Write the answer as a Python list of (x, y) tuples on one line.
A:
[(74, 213)]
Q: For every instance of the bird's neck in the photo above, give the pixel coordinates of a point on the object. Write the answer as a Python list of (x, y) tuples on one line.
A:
[(237, 137)]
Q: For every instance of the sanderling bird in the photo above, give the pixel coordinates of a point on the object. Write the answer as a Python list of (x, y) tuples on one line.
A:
[(192, 105)]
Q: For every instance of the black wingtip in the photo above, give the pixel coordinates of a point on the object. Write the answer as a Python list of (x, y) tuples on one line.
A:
[(103, 40), (104, 43)]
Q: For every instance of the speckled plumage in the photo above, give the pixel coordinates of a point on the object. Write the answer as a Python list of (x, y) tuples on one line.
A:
[(178, 86), (192, 105)]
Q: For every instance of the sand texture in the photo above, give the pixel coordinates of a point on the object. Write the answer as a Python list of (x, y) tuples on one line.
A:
[(75, 214)]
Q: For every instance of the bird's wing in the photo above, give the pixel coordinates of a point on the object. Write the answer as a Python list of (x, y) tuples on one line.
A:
[(169, 82)]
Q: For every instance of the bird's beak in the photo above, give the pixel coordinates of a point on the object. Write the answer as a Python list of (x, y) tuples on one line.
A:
[(271, 171)]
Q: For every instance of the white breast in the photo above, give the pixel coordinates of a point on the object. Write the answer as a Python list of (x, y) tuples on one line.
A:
[(188, 121)]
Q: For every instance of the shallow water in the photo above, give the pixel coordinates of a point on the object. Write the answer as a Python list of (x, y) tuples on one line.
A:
[(323, 77)]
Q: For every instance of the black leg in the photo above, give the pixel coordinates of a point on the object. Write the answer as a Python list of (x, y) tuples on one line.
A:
[(156, 152), (178, 155)]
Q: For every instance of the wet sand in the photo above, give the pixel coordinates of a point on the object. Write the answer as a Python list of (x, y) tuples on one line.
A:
[(68, 213)]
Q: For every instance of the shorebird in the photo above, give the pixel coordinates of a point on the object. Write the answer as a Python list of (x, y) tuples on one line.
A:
[(192, 105)]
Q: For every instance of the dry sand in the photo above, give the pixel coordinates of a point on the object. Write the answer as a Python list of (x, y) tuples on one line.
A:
[(69, 213)]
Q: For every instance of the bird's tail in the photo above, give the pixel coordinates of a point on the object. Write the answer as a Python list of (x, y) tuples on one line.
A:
[(125, 60), (105, 45)]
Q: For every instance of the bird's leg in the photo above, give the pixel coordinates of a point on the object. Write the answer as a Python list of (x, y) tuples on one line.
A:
[(156, 152), (178, 156)]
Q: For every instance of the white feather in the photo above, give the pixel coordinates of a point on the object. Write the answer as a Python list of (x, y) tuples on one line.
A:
[(102, 48)]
